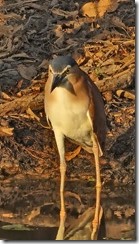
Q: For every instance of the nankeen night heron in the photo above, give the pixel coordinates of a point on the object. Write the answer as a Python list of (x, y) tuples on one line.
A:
[(75, 108)]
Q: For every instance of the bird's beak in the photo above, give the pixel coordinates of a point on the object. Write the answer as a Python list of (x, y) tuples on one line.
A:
[(56, 82)]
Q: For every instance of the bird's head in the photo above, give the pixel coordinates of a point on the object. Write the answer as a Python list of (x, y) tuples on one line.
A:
[(60, 68)]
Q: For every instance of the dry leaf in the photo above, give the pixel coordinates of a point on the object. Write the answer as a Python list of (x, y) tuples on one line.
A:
[(53, 3), (44, 64), (1, 2), (36, 88), (20, 55), (93, 75), (32, 115), (19, 84), (126, 94), (107, 62), (99, 54), (59, 41), (129, 212), (5, 96), (5, 30), (58, 31), (9, 16), (118, 213), (89, 9), (5, 131), (71, 155), (26, 72), (107, 95), (113, 6), (19, 94), (109, 69), (63, 13), (130, 110), (98, 9), (118, 22), (103, 6)]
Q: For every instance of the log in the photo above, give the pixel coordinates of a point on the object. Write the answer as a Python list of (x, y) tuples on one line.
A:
[(34, 101)]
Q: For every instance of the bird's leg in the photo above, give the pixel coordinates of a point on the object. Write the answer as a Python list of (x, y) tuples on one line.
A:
[(60, 144), (98, 210)]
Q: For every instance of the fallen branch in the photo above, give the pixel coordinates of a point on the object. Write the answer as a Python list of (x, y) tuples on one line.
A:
[(34, 101), (118, 81)]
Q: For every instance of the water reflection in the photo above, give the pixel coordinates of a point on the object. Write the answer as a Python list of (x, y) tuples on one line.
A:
[(36, 204), (113, 228), (40, 233)]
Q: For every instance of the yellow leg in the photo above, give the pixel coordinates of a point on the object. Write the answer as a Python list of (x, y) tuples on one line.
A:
[(96, 220), (61, 229), (60, 144)]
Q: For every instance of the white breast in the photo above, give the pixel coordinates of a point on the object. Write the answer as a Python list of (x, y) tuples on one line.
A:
[(69, 115)]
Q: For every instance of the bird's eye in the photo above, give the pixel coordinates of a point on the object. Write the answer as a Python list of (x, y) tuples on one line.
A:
[(67, 70)]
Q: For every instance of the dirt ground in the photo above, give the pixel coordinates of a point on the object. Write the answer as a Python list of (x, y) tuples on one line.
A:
[(103, 43)]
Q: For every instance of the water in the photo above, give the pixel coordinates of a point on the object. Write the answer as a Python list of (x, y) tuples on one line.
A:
[(33, 211)]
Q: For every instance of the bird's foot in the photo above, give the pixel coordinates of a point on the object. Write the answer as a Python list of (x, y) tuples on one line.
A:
[(71, 155), (60, 234), (61, 229), (96, 225)]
